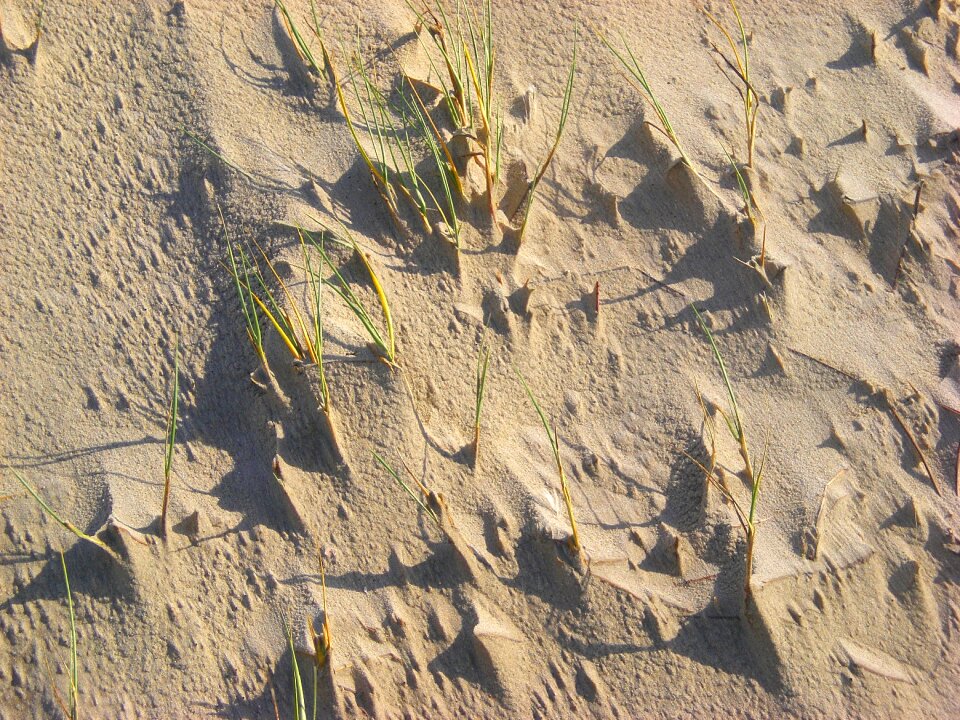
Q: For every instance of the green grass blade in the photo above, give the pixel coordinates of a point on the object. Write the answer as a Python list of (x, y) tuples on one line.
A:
[(74, 665), (303, 49), (315, 286), (247, 305), (299, 699), (65, 524), (555, 445), (736, 426), (564, 113), (742, 184), (543, 418), (170, 438), (416, 498), (483, 362)]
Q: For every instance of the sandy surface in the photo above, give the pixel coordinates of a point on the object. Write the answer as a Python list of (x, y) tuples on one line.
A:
[(111, 246)]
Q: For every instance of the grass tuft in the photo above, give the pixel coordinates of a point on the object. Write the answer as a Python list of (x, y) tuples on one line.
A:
[(740, 67), (463, 39), (574, 540)]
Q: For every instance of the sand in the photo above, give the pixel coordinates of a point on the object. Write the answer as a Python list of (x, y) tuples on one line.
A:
[(842, 357)]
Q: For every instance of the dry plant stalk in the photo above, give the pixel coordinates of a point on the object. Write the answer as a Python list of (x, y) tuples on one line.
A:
[(740, 66)]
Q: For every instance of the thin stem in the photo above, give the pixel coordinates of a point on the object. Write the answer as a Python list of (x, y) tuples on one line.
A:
[(171, 436)]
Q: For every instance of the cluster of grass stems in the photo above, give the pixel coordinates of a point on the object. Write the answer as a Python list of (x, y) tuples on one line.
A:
[(463, 40), (574, 540), (733, 419), (390, 136), (301, 332)]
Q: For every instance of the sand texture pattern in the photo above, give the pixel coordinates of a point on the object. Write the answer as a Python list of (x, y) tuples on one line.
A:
[(324, 234)]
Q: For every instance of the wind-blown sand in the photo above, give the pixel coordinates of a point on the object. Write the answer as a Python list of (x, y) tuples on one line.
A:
[(112, 246)]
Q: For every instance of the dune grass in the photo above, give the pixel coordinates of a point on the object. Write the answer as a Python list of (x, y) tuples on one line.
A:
[(170, 438), (574, 540), (636, 75), (526, 202), (299, 699), (480, 387), (301, 332), (53, 515), (384, 342), (431, 513), (322, 641), (397, 133), (443, 163), (740, 67), (71, 704), (257, 297), (464, 41), (734, 421), (74, 705)]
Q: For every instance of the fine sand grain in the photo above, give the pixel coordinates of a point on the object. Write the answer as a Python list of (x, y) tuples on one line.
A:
[(141, 143)]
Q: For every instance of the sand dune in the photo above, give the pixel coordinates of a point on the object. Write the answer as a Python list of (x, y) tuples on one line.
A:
[(128, 130)]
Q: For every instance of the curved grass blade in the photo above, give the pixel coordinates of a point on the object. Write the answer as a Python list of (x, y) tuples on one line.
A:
[(555, 446), (66, 524), (416, 498), (526, 201)]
